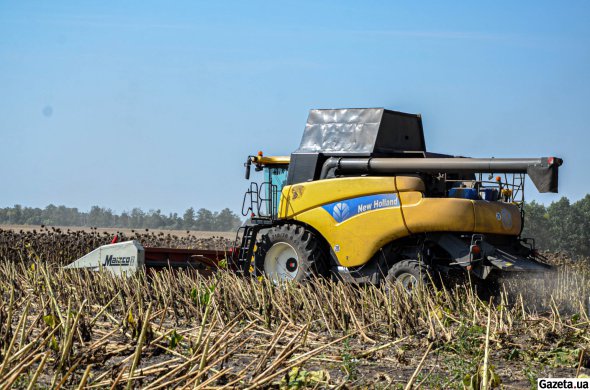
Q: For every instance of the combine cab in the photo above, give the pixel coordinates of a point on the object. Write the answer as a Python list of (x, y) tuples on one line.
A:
[(362, 200)]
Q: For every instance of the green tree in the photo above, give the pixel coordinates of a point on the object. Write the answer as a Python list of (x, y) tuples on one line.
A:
[(226, 220), (137, 217), (188, 219), (15, 215), (204, 220), (124, 220), (561, 226), (537, 224), (580, 234), (154, 219)]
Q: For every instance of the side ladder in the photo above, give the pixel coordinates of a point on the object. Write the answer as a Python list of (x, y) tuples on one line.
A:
[(243, 253)]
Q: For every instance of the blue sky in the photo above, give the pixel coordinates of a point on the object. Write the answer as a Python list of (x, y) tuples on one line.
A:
[(157, 104)]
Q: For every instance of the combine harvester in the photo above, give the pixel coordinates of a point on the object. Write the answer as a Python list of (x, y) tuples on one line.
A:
[(362, 200)]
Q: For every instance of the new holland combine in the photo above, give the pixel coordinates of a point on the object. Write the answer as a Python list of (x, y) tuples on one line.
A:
[(362, 200)]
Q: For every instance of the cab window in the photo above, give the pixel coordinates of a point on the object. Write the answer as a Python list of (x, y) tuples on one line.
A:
[(276, 177)]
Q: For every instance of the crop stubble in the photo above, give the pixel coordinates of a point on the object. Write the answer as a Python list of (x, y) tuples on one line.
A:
[(167, 329)]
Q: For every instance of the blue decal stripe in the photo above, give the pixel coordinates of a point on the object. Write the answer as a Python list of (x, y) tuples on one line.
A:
[(348, 208)]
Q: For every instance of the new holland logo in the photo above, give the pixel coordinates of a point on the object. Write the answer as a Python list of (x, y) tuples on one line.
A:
[(346, 209), (121, 261), (340, 211), (506, 218)]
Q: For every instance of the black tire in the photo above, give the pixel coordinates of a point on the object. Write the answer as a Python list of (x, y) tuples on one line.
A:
[(296, 253), (404, 270)]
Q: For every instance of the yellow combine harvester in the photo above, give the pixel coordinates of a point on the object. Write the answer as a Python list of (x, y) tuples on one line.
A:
[(362, 200)]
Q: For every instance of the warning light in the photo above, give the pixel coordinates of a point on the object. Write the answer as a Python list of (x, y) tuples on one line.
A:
[(260, 153), (550, 160), (498, 178)]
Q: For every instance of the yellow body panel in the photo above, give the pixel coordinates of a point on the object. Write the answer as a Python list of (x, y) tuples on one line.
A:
[(355, 240), (301, 197), (382, 209), (497, 217), (437, 214), (409, 183), (459, 215), (271, 160)]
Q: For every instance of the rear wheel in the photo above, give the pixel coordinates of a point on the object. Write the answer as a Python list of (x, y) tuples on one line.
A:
[(410, 274), (290, 252)]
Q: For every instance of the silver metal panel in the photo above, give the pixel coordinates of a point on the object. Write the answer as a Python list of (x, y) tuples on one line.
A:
[(349, 130), (120, 258)]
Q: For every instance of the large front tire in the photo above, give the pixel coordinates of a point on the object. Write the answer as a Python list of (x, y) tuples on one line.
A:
[(410, 274), (290, 252)]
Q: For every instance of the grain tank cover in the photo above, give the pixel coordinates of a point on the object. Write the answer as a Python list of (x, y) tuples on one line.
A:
[(361, 132)]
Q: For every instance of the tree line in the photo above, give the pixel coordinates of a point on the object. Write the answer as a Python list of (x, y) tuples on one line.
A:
[(202, 219), (561, 226)]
